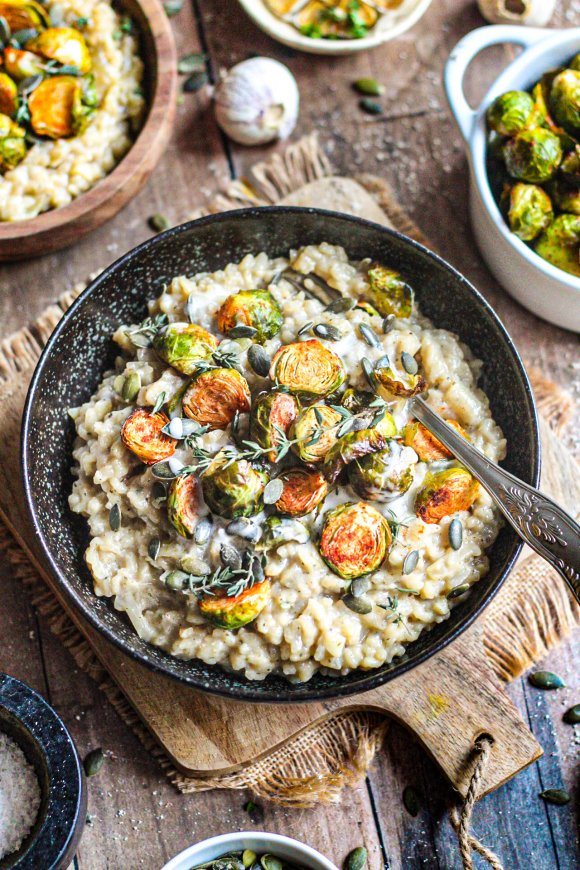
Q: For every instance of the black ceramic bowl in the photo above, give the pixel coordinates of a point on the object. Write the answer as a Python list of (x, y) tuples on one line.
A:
[(81, 349), (47, 745)]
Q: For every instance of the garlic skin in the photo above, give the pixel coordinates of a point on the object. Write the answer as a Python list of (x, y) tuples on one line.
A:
[(257, 101), (532, 13)]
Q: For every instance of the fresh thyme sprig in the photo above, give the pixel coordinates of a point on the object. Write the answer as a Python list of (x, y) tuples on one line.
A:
[(143, 335), (225, 579)]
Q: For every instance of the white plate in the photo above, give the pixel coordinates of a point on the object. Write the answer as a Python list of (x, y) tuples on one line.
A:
[(284, 847)]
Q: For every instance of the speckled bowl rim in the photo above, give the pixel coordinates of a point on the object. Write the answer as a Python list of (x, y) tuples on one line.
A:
[(242, 689)]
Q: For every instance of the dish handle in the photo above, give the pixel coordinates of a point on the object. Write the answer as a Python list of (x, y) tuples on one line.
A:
[(466, 50)]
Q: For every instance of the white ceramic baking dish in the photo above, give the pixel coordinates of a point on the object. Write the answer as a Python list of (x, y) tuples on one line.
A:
[(277, 844), (544, 289)]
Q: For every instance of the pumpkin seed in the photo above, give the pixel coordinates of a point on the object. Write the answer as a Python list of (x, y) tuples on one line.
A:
[(359, 586), (172, 7), (159, 402), (369, 335), (242, 331), (411, 801), (341, 306), (176, 580), (357, 859), (270, 862), (369, 87), (259, 359), (272, 491), (326, 330), (5, 31), (93, 762), (371, 107), (557, 796), (411, 561), (195, 82), (158, 223), (203, 531), (230, 556), (115, 518), (546, 680), (27, 85), (572, 716), (25, 35), (162, 471), (357, 605), (248, 857), (193, 565), (455, 534), (306, 328), (158, 492), (409, 363), (369, 373), (388, 323), (153, 548), (131, 386), (383, 362), (458, 591), (191, 63)]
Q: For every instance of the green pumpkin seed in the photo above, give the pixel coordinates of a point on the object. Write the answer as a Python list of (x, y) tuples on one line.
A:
[(306, 328), (115, 518), (203, 531), (162, 471), (383, 362), (242, 331), (158, 492), (371, 107), (359, 586), (193, 565), (455, 534), (409, 363), (369, 373), (357, 859), (388, 323), (369, 335), (572, 716), (27, 85), (270, 862), (546, 680), (557, 796), (411, 561), (357, 605), (131, 386), (158, 223), (230, 557), (195, 82), (160, 401), (172, 7), (259, 360), (326, 330), (5, 31), (191, 63), (153, 548), (458, 591), (340, 306), (176, 580), (369, 87), (272, 491), (23, 36), (411, 801), (248, 857), (93, 762)]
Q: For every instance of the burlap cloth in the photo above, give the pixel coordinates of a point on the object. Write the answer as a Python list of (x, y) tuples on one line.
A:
[(532, 613)]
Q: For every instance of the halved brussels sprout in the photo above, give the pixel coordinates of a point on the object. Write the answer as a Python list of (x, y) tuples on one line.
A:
[(426, 446), (566, 197), (315, 429), (307, 368), (355, 539), (215, 396), (12, 143), (24, 14), (356, 400), (389, 384), (61, 106), (63, 44), (183, 500), (231, 612), (8, 95), (565, 99), (141, 434), (559, 244), (255, 308), (183, 345), (272, 414), (533, 155), (355, 445), (530, 211), (388, 292), (233, 488), (511, 113), (304, 489), (385, 475), (444, 493), (21, 64)]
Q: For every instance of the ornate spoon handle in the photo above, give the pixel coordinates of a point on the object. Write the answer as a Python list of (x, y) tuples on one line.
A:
[(542, 524)]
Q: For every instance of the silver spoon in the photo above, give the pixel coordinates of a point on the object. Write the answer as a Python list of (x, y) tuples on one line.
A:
[(539, 521)]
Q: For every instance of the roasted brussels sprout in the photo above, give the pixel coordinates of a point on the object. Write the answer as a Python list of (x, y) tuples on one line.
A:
[(385, 475), (340, 20), (426, 446), (565, 99), (272, 414), (355, 539), (511, 113), (389, 384), (559, 244), (232, 612), (63, 44), (183, 345), (566, 197), (141, 433), (530, 211), (61, 106), (533, 155), (12, 143), (304, 489), (24, 14), (444, 493), (233, 489), (8, 95), (21, 64), (388, 292), (255, 308), (315, 431), (215, 396), (183, 500), (352, 446), (307, 368)]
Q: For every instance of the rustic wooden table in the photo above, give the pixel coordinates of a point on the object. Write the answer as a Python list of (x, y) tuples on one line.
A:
[(137, 819)]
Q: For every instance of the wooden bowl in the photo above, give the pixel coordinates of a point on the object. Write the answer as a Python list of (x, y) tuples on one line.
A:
[(60, 227)]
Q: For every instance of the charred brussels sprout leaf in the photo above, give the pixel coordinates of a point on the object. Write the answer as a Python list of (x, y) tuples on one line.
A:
[(141, 434), (183, 345), (255, 308), (12, 143), (352, 446), (565, 99), (314, 432), (304, 489), (307, 368), (231, 612), (530, 211), (388, 292), (559, 244), (233, 488), (389, 384), (8, 95), (566, 197), (183, 504), (214, 398), (426, 446), (533, 155), (384, 475), (24, 14), (63, 44), (272, 416), (355, 539), (444, 493), (61, 106), (511, 113)]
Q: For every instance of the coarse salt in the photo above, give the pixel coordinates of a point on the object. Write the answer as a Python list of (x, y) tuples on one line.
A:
[(19, 796)]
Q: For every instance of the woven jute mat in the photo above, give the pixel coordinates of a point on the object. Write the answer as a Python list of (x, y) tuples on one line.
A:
[(531, 614)]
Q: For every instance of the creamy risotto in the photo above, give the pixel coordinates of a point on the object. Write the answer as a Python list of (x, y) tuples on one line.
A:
[(257, 492)]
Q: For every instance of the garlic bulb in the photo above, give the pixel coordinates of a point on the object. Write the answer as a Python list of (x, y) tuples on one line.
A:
[(533, 13), (257, 101)]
